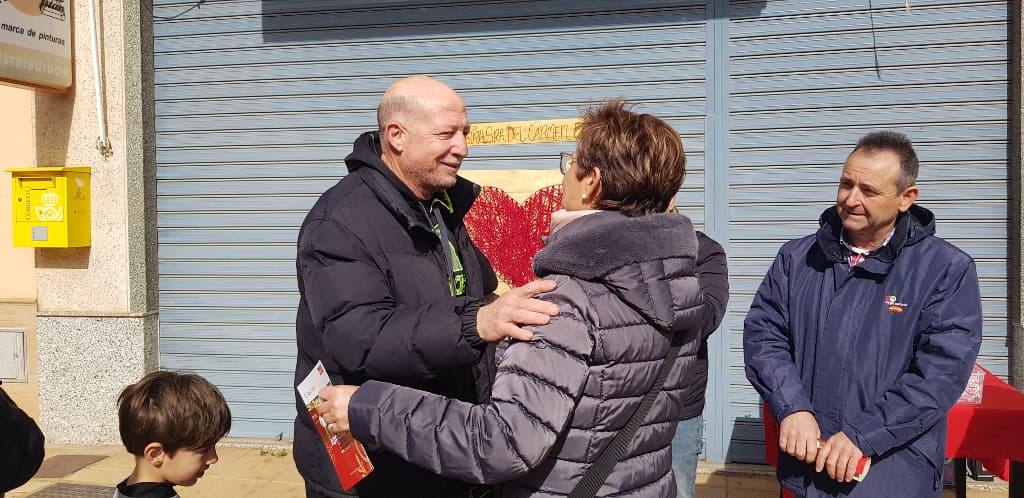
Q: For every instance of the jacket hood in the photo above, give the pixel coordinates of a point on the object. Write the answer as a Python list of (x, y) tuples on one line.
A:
[(649, 262), (912, 227), (366, 151), (365, 160)]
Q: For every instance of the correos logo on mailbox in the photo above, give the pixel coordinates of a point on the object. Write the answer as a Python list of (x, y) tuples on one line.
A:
[(50, 210)]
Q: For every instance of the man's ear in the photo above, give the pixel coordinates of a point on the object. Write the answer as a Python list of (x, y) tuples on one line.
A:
[(908, 197), (394, 135), (154, 454)]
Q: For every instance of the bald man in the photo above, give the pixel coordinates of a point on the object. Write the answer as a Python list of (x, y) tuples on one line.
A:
[(393, 289)]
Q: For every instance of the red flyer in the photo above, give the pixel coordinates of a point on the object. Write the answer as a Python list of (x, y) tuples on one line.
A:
[(348, 455)]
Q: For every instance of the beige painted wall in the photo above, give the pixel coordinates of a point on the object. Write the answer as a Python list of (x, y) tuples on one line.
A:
[(17, 264), (17, 150)]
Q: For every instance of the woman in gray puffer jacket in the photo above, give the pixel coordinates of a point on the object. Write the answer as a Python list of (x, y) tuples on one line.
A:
[(628, 280)]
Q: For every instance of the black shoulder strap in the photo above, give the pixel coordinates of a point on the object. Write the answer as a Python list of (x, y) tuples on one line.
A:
[(598, 472)]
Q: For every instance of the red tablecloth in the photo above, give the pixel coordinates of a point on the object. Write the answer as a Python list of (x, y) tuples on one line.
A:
[(990, 432)]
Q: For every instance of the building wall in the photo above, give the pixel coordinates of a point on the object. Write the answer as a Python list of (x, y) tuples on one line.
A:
[(95, 329), (93, 279)]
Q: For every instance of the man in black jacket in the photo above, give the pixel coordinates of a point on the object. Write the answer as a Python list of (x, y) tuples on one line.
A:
[(393, 289), (713, 271), (21, 445)]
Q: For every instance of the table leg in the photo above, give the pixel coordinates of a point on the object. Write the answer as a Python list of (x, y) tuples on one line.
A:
[(1016, 479), (960, 477)]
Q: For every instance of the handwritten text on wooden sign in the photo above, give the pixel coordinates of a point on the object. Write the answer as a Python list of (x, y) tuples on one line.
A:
[(523, 132)]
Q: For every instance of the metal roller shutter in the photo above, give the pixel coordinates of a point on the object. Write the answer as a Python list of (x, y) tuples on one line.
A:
[(258, 103)]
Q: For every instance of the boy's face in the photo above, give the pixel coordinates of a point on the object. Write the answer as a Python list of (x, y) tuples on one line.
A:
[(185, 467)]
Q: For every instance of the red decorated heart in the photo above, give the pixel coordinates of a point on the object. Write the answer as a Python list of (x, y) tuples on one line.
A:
[(509, 233)]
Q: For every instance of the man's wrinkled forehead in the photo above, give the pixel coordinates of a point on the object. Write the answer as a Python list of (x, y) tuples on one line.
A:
[(870, 165)]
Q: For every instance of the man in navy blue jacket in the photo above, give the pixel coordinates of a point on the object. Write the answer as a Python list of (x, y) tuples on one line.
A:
[(863, 335)]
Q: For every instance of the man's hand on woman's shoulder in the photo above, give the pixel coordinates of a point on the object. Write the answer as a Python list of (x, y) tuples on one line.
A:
[(505, 316)]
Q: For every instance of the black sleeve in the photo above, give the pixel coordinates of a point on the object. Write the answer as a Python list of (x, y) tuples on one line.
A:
[(21, 445), (364, 329), (713, 274)]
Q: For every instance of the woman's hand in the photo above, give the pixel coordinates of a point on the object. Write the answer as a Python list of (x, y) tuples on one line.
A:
[(334, 407)]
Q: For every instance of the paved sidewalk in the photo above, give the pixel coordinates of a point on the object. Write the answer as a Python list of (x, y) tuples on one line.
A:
[(269, 472)]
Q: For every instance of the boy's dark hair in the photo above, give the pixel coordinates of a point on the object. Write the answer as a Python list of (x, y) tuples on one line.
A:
[(177, 410), (641, 158), (898, 144)]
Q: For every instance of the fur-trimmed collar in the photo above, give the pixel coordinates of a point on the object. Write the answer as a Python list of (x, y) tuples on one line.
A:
[(649, 262), (593, 246)]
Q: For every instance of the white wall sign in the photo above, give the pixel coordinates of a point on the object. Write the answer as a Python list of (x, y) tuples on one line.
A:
[(35, 43)]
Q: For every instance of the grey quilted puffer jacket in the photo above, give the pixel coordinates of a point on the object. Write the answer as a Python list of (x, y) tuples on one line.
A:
[(625, 285)]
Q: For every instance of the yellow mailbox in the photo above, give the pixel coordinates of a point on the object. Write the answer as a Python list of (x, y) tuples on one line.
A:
[(51, 206)]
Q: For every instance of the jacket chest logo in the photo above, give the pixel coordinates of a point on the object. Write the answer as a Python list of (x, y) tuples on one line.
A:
[(894, 304)]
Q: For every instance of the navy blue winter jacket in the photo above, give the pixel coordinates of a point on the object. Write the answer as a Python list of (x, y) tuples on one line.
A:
[(376, 304), (880, 353)]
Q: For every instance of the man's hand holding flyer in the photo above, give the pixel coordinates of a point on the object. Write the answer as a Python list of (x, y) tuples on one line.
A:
[(862, 465), (348, 455)]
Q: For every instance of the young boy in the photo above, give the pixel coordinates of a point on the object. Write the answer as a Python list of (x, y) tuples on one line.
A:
[(171, 422)]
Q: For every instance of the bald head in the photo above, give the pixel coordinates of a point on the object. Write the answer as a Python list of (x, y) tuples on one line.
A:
[(423, 129), (411, 98)]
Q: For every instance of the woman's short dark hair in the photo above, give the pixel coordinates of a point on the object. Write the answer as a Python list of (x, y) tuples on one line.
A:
[(898, 144), (641, 158), (177, 410)]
